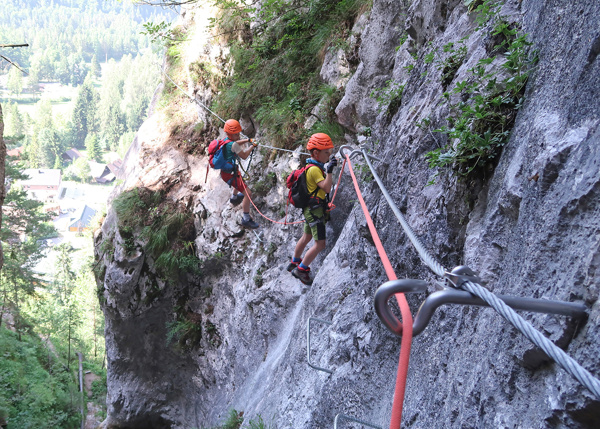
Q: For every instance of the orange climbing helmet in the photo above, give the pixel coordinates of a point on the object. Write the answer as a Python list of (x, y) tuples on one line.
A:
[(232, 127), (319, 141)]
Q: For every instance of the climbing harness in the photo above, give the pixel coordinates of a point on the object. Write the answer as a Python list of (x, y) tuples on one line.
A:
[(331, 205)]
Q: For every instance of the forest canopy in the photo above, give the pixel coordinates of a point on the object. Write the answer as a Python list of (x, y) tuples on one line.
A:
[(65, 34)]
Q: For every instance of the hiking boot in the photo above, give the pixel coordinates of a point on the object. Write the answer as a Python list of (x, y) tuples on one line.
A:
[(235, 200), (292, 265), (249, 223), (303, 275)]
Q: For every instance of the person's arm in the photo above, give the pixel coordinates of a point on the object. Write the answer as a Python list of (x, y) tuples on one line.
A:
[(245, 153), (326, 183)]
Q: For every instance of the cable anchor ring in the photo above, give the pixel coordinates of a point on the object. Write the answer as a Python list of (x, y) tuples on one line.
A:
[(460, 275)]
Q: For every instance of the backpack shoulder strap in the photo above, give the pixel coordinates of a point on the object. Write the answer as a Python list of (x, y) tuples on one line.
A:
[(316, 191)]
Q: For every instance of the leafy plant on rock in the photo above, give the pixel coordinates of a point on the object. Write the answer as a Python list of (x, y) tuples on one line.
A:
[(483, 116), (277, 63), (163, 229)]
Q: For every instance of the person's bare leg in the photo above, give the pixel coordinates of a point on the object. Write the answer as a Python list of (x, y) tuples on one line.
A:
[(302, 243), (313, 252)]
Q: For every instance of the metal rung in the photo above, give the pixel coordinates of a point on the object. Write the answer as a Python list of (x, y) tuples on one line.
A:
[(455, 296), (352, 419), (358, 152), (318, 368)]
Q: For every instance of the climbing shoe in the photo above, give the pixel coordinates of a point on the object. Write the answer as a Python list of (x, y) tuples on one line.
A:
[(249, 223), (236, 199), (303, 275), (292, 265)]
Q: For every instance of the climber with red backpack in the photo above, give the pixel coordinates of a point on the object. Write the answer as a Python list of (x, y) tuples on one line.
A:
[(222, 155), (309, 189)]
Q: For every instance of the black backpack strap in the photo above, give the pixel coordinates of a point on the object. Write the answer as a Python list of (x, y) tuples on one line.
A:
[(322, 202)]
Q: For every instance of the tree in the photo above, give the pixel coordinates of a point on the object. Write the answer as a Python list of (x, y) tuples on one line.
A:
[(65, 292), (62, 71), (95, 68), (33, 81), (50, 148), (22, 229), (81, 168), (15, 81), (79, 70), (3, 168), (92, 145), (84, 112), (43, 115), (2, 178), (14, 125), (113, 127)]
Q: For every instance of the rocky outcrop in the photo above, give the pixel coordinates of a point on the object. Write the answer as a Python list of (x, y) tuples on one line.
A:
[(528, 225)]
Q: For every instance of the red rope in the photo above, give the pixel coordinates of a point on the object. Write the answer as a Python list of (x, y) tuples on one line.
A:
[(405, 345), (285, 222)]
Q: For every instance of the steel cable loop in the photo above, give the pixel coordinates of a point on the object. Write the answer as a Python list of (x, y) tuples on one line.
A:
[(434, 265), (551, 349)]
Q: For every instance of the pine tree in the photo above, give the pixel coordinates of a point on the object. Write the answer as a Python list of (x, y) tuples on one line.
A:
[(14, 125), (84, 116), (50, 148), (92, 145), (95, 68), (22, 228)]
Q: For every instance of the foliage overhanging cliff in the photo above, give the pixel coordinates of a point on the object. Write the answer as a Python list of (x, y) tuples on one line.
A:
[(487, 118)]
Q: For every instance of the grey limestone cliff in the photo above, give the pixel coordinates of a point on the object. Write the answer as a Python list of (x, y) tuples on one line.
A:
[(529, 224)]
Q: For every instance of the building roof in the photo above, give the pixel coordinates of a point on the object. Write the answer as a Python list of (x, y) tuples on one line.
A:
[(82, 217), (15, 152), (41, 177), (73, 154), (115, 166), (97, 170)]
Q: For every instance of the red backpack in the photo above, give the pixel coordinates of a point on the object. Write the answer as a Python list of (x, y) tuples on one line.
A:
[(298, 195), (216, 157)]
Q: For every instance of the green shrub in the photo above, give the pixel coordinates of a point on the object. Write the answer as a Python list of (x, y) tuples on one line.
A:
[(31, 396), (164, 230), (276, 71), (481, 120)]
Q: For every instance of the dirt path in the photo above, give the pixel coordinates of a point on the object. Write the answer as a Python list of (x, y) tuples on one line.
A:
[(91, 420)]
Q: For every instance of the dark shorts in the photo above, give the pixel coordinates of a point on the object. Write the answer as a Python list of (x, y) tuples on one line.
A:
[(315, 222), (234, 180)]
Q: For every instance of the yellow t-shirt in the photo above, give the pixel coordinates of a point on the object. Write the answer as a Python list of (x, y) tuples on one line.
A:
[(314, 175)]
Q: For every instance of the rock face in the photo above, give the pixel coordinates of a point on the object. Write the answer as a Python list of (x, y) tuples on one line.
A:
[(530, 227)]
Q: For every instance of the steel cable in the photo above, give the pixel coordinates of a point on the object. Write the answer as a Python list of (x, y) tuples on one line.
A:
[(195, 100), (552, 350), (423, 253), (407, 320)]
